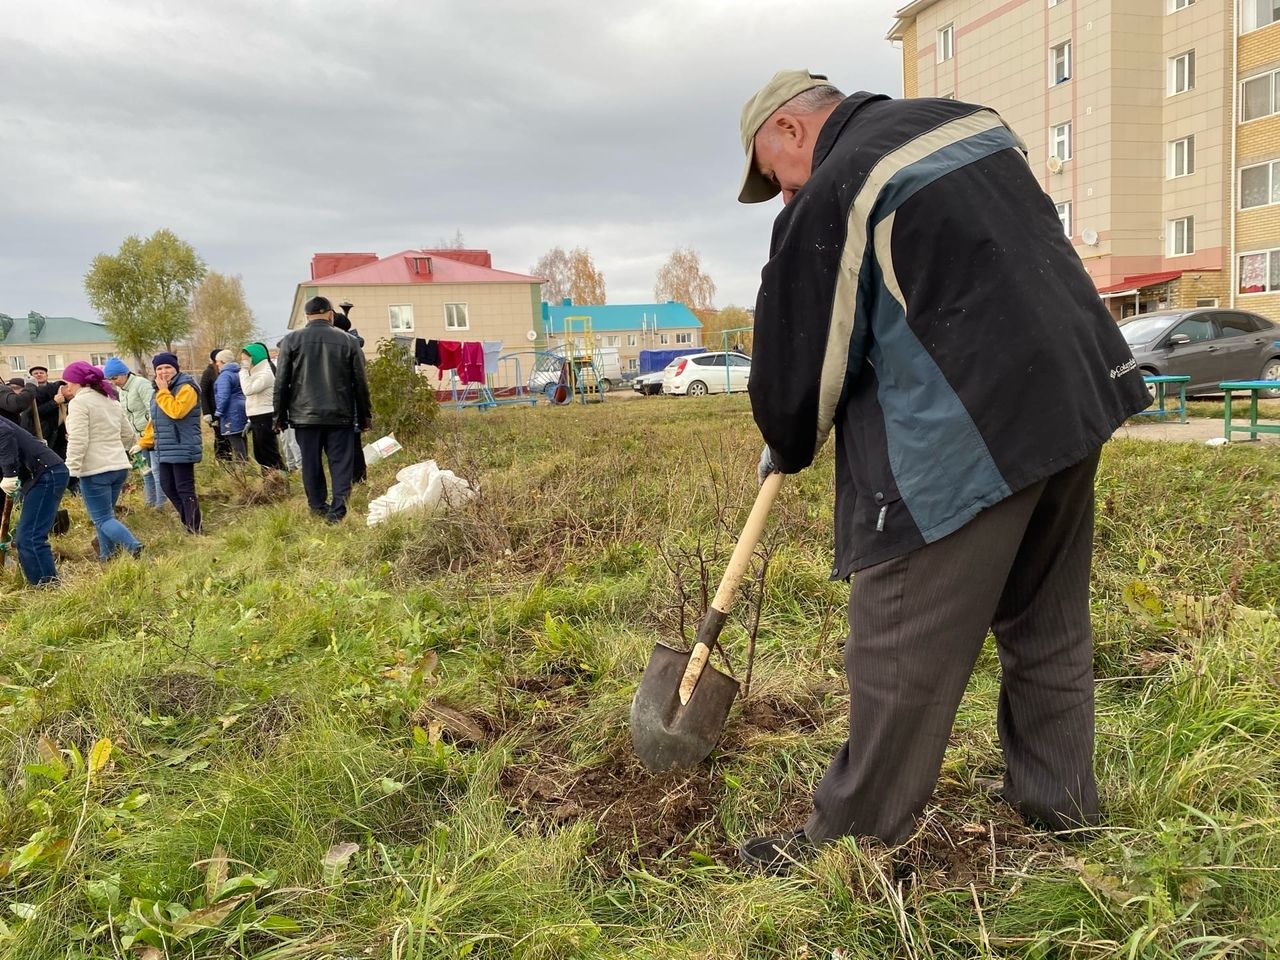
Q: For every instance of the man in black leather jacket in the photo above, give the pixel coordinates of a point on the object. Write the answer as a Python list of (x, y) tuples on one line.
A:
[(320, 380)]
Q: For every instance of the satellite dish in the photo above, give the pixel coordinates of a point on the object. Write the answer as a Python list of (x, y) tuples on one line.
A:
[(1089, 236), (1055, 165), (531, 336)]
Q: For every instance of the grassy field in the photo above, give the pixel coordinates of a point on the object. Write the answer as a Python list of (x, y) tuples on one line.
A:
[(288, 740)]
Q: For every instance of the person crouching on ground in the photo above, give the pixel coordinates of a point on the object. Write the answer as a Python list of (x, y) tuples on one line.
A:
[(174, 435), (43, 476), (258, 381), (99, 438), (228, 403), (135, 395)]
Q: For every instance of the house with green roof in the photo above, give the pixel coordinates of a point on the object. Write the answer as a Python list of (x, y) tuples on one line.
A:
[(630, 327), (51, 342)]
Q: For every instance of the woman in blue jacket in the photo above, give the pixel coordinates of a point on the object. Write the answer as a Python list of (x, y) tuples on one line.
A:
[(174, 435), (228, 404)]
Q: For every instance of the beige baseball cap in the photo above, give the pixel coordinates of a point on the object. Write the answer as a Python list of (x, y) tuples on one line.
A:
[(784, 85)]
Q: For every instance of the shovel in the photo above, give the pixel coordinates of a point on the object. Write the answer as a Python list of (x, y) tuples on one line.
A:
[(5, 516), (681, 704)]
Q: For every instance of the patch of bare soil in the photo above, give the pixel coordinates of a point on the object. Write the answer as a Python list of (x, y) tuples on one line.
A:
[(635, 813)]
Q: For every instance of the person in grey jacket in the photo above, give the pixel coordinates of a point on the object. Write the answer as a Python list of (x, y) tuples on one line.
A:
[(320, 381), (135, 396)]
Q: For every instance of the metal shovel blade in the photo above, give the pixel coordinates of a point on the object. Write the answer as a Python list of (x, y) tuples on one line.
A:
[(665, 734)]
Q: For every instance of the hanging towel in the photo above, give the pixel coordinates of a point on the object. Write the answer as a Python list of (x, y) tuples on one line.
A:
[(471, 369), (450, 356), (492, 350)]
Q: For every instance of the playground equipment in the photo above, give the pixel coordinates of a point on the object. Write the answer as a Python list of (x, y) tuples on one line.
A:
[(579, 376)]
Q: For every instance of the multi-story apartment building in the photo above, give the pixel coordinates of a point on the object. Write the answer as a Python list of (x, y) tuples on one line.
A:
[(1154, 125)]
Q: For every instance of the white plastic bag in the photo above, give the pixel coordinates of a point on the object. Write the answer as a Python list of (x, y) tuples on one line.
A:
[(381, 449), (422, 486)]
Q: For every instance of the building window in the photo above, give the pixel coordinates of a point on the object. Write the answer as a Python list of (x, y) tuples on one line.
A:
[(1061, 142), (1260, 96), (631, 339), (1054, 3), (682, 338), (946, 43), (1064, 217), (98, 359), (1207, 302), (1182, 239), (611, 341), (1176, 5), (663, 339), (633, 363), (455, 317), (1260, 185), (18, 364), (401, 317), (1182, 157), (1182, 73), (1060, 63), (1259, 13), (1260, 272), (55, 362)]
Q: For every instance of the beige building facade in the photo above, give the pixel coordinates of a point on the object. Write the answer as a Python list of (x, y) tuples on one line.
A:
[(1154, 125), (50, 342), (427, 294)]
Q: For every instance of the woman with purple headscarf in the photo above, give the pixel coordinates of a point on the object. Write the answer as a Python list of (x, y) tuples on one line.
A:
[(99, 439)]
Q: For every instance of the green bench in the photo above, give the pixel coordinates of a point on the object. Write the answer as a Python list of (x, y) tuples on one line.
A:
[(1253, 427), (1161, 384)]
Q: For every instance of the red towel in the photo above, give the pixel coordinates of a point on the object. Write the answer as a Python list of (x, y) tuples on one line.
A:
[(450, 356), (471, 369)]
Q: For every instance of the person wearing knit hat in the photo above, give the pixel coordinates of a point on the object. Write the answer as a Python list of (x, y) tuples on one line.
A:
[(174, 436), (258, 381), (208, 404), (99, 439), (135, 397)]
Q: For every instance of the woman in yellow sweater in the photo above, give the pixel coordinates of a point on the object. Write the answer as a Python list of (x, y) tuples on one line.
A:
[(174, 435)]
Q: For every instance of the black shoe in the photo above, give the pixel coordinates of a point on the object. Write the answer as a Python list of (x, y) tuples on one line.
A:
[(778, 853), (137, 554)]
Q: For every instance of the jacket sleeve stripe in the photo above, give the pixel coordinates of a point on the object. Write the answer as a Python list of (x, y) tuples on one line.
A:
[(844, 355)]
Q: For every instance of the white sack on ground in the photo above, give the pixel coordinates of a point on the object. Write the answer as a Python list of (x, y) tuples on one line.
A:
[(423, 486)]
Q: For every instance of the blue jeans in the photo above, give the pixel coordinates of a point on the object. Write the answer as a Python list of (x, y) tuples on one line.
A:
[(100, 493), (40, 499), (152, 495)]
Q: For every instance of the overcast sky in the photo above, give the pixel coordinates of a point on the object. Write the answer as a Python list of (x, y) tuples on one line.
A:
[(262, 131)]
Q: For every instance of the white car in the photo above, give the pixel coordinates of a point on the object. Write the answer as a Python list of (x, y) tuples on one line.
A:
[(704, 373), (648, 384)]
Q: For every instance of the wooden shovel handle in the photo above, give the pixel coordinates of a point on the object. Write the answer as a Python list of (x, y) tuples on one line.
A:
[(715, 618)]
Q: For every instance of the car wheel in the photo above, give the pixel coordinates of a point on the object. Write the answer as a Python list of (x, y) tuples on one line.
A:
[(605, 386), (1270, 371), (1151, 387), (697, 389)]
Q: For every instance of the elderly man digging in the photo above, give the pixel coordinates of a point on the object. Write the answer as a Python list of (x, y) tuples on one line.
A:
[(921, 303)]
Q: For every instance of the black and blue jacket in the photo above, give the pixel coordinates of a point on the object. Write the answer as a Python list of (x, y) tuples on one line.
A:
[(922, 303)]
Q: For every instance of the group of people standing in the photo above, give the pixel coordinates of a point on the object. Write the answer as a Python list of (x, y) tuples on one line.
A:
[(94, 426)]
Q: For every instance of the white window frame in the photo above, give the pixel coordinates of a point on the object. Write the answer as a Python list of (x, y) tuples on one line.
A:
[(1188, 58), (1063, 48), (18, 362), (1206, 302), (1273, 179), (612, 341), (663, 339), (683, 339), (1060, 141), (631, 339), (1272, 79), (55, 362), (1188, 156), (633, 363), (98, 359), (451, 322), (1184, 227), (1249, 24), (1064, 216), (395, 320), (1054, 3), (946, 42), (1176, 5), (1267, 288)]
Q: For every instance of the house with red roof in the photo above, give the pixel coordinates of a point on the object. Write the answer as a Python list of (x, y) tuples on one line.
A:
[(431, 294)]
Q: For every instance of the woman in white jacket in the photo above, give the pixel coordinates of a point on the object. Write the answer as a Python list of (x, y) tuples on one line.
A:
[(99, 439), (258, 381)]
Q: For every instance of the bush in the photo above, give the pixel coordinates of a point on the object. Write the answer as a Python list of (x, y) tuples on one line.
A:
[(404, 403)]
